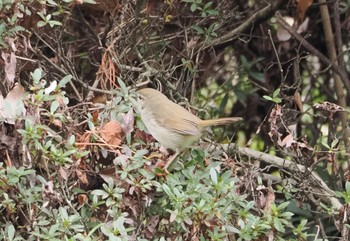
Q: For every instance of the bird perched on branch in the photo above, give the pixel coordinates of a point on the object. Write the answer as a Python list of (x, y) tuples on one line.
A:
[(172, 125)]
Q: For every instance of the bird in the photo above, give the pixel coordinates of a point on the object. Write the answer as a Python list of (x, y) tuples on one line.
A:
[(170, 124)]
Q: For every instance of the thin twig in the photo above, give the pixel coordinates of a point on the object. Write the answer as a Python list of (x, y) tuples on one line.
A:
[(328, 194), (256, 17), (313, 50)]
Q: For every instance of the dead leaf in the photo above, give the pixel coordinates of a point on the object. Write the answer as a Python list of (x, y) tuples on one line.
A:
[(63, 173), (109, 173), (112, 133), (82, 177), (143, 136), (10, 66), (270, 199), (298, 101), (287, 141), (283, 35), (12, 106), (85, 140), (128, 122), (95, 116), (57, 123), (330, 107), (82, 199), (302, 6), (49, 195), (99, 99)]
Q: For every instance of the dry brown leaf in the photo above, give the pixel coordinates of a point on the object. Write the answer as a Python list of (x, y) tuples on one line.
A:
[(143, 136), (270, 199), (302, 6), (128, 122), (95, 116), (10, 66), (82, 177), (287, 141), (84, 139), (112, 133), (82, 199), (99, 99), (330, 107), (49, 195), (12, 106), (109, 173), (63, 173), (57, 123), (298, 101)]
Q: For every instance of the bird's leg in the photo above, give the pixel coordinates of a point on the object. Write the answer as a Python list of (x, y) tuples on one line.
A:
[(171, 159)]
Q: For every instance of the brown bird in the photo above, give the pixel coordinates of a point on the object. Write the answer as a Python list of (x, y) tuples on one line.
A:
[(172, 125)]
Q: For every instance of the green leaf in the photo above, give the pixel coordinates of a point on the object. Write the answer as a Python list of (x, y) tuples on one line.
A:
[(278, 225), (266, 97), (64, 81), (36, 75), (98, 192), (283, 205), (167, 190), (194, 7), (214, 175), (276, 93), (90, 1), (198, 29), (122, 85), (53, 23), (71, 140), (54, 106), (11, 232), (347, 187)]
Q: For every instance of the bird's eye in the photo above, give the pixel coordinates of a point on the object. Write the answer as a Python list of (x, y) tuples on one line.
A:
[(141, 100)]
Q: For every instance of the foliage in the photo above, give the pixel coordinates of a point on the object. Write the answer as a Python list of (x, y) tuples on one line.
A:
[(75, 169)]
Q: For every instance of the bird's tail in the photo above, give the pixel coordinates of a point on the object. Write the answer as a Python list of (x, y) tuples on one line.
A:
[(219, 121)]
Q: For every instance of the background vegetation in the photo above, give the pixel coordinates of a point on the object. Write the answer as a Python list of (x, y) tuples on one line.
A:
[(77, 164)]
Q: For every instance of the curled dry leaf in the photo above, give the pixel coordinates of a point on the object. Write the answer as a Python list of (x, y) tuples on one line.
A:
[(10, 66), (82, 176), (143, 136), (270, 199), (62, 172), (82, 199), (128, 122), (287, 141), (50, 195), (283, 35), (12, 106), (330, 107), (112, 133), (57, 123), (302, 6)]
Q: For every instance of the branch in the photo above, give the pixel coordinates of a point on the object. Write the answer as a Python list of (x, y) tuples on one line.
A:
[(313, 50), (266, 12), (327, 193)]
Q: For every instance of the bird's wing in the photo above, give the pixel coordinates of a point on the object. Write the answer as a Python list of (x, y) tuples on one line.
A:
[(183, 126), (186, 123)]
